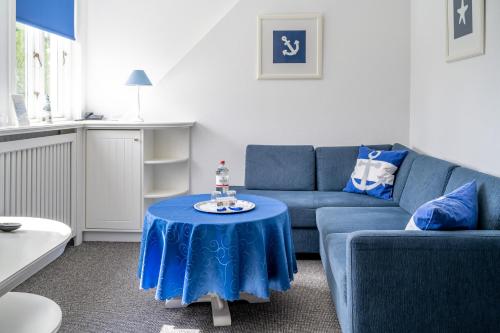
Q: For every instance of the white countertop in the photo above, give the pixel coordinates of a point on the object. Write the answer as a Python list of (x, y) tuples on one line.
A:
[(22, 251), (59, 125)]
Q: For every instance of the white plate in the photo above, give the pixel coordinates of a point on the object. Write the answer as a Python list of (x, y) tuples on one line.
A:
[(211, 207)]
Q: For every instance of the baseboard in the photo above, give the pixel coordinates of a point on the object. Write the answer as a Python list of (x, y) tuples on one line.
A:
[(96, 236)]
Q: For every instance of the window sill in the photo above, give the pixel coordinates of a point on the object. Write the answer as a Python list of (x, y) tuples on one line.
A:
[(39, 127), (95, 124)]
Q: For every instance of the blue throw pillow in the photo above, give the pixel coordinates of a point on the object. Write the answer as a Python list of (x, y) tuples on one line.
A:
[(374, 172), (455, 211)]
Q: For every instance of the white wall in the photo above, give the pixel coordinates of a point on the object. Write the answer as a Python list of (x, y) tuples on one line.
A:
[(455, 107), (4, 59), (139, 34), (363, 98)]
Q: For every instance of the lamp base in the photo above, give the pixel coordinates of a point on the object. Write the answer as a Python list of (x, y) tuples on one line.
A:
[(136, 119)]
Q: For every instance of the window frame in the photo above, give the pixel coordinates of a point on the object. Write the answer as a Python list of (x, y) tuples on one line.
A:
[(70, 88), (12, 62), (60, 81)]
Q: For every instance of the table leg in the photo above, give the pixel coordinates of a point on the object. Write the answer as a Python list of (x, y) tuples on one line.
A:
[(253, 299), (220, 311), (174, 303), (220, 308)]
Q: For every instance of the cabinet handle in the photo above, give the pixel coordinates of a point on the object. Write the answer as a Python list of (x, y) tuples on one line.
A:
[(136, 139)]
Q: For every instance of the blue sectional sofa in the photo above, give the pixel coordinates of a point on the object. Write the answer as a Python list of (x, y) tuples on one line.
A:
[(307, 179), (383, 278)]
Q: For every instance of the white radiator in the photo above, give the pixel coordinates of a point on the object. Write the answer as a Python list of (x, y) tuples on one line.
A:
[(38, 178)]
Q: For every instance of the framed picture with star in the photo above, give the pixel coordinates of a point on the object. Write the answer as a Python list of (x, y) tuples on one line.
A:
[(290, 46), (465, 29)]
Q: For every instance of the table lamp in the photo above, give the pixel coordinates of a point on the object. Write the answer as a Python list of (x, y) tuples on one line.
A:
[(138, 78)]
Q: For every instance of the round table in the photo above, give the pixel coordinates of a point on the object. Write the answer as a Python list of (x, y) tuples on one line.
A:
[(187, 255), (23, 253)]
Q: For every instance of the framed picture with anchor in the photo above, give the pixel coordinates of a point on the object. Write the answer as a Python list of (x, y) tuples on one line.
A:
[(290, 46), (465, 29)]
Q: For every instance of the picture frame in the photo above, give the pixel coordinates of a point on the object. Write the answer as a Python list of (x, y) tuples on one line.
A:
[(465, 29), (20, 109), (290, 46)]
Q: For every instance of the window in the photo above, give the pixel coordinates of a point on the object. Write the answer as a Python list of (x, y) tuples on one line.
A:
[(43, 72)]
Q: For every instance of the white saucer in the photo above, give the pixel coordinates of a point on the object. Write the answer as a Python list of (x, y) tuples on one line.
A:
[(211, 207)]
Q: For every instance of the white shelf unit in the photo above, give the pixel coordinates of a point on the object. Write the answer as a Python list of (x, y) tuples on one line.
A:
[(161, 194), (159, 156), (166, 163)]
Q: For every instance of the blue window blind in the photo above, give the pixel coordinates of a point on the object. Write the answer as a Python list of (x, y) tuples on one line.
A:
[(55, 16)]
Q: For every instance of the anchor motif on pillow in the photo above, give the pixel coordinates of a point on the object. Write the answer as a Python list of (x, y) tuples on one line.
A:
[(291, 51), (374, 172), (381, 179)]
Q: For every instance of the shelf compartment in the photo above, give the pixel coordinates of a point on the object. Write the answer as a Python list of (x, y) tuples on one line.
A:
[(161, 144), (157, 161), (163, 194), (165, 176)]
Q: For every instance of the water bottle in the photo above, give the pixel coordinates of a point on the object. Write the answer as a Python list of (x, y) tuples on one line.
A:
[(222, 178)]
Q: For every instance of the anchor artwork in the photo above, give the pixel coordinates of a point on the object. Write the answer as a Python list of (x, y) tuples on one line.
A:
[(289, 46), (462, 20)]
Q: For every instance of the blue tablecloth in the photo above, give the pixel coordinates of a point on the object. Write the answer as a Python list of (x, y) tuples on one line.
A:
[(188, 254)]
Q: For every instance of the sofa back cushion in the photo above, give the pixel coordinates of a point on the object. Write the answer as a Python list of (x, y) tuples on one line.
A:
[(488, 188), (335, 164), (426, 181), (403, 171), (285, 168)]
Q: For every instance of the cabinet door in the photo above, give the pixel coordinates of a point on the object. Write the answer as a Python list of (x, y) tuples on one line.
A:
[(113, 178)]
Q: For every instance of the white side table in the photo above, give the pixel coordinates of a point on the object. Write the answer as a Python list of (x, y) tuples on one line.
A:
[(23, 253)]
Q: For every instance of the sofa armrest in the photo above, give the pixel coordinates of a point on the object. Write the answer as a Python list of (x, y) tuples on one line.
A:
[(414, 281)]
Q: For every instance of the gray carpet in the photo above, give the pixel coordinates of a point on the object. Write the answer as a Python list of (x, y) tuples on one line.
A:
[(96, 287)]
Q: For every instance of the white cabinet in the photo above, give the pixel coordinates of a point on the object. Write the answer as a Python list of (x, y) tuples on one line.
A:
[(128, 168), (113, 180)]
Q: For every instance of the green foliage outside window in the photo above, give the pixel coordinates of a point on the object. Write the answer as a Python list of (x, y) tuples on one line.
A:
[(20, 61), (46, 65)]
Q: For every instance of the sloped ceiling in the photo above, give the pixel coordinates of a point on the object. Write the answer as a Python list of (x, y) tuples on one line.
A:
[(149, 34)]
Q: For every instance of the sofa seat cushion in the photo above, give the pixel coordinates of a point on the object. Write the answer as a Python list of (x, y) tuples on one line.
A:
[(344, 199), (285, 168), (349, 219), (300, 204), (305, 240), (336, 251)]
